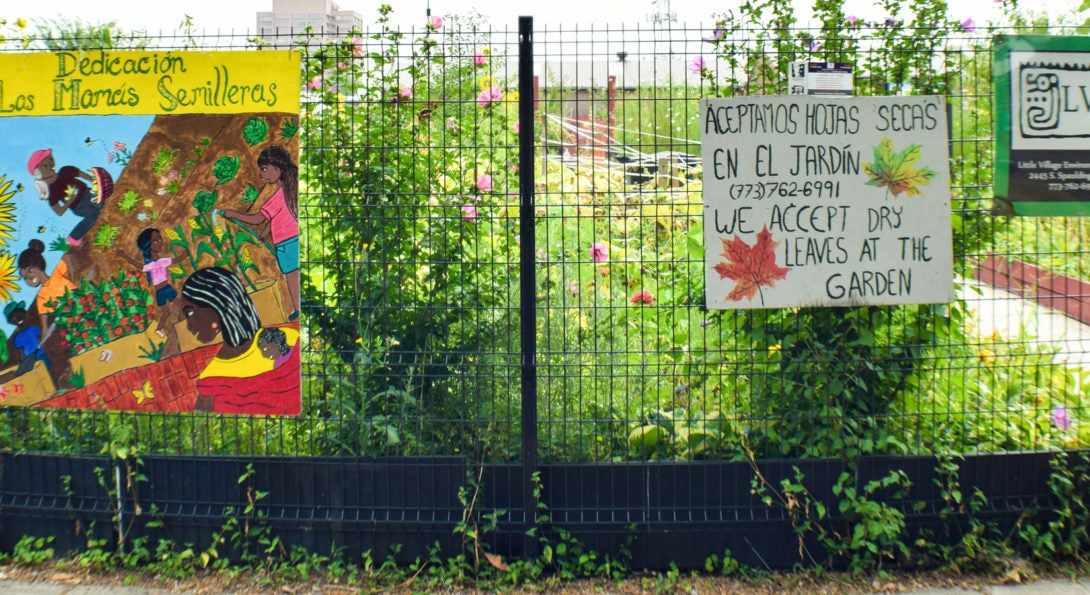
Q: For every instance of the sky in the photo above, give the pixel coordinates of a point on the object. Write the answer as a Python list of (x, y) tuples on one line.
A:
[(239, 16)]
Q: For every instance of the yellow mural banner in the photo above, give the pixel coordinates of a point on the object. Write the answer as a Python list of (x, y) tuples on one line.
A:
[(103, 82)]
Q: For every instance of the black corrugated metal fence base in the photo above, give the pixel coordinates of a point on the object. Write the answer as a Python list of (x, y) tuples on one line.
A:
[(660, 513)]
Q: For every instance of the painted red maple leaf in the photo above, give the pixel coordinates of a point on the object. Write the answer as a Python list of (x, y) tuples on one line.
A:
[(750, 267)]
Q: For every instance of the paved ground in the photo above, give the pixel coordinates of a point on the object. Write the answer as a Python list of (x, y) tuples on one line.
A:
[(1011, 317), (1043, 587)]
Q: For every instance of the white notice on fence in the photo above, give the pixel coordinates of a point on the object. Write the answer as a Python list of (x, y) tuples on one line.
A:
[(814, 201)]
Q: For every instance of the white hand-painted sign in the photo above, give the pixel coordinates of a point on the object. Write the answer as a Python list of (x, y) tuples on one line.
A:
[(826, 201)]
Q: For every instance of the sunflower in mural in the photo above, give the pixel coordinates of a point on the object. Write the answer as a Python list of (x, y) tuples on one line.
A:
[(8, 274)]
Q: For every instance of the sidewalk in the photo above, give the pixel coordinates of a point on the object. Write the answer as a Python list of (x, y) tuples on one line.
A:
[(14, 587), (1007, 315), (1042, 587)]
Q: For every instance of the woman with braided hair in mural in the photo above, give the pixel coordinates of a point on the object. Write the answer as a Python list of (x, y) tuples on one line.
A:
[(239, 378), (281, 213)]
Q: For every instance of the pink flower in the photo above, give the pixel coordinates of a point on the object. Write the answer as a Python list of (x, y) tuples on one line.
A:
[(643, 297), (479, 59), (1061, 417), (599, 252), (342, 65), (315, 83), (573, 288), (469, 213), (119, 146), (435, 23), (517, 127), (484, 183), (852, 19), (488, 96), (406, 92), (357, 47), (968, 25), (698, 65), (716, 35)]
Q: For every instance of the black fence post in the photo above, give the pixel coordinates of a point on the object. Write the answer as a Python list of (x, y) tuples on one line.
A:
[(527, 273)]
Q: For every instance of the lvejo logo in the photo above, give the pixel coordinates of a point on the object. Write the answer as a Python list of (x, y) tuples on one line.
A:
[(1053, 101)]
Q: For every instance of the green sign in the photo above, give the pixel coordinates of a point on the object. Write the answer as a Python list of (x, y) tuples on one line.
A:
[(1042, 86)]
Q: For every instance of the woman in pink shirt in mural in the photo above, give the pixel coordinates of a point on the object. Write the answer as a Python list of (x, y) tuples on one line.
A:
[(281, 212)]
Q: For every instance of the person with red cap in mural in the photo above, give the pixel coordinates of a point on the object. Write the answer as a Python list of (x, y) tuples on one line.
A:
[(71, 189)]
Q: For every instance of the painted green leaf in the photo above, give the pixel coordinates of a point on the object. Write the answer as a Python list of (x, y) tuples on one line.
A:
[(225, 169), (289, 128), (58, 244), (106, 235), (249, 195), (128, 201), (255, 131), (204, 200), (896, 171)]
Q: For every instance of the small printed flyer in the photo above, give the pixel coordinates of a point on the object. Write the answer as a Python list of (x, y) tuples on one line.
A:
[(812, 201)]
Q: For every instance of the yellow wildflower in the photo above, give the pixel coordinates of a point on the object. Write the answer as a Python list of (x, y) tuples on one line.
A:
[(986, 356)]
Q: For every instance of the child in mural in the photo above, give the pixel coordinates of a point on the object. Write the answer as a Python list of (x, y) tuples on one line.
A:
[(240, 378), (26, 338), (157, 259), (71, 189), (274, 345), (156, 262), (281, 212)]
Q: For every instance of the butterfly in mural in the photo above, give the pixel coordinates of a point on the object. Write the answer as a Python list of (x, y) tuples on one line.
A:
[(144, 393)]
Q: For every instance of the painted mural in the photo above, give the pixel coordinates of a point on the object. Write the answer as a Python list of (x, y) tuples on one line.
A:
[(149, 235)]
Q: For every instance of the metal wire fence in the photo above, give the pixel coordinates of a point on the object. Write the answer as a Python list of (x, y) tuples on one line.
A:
[(412, 224)]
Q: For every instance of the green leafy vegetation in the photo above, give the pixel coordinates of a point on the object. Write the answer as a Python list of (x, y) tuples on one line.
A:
[(225, 168), (255, 131)]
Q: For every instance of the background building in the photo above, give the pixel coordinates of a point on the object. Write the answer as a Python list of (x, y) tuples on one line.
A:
[(295, 16)]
